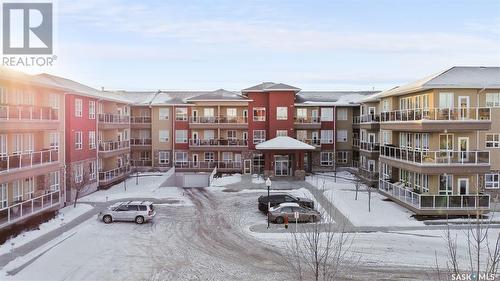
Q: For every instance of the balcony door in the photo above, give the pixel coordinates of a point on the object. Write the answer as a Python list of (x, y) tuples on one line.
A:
[(463, 186), (195, 160), (463, 148), (463, 107), (281, 165), (194, 115)]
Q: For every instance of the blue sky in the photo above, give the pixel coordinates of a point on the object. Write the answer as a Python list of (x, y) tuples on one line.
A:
[(314, 45)]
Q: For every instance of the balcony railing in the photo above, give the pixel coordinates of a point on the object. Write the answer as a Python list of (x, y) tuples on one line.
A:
[(218, 119), (370, 146), (369, 118), (435, 202), (436, 157), (311, 141), (355, 142), (114, 174), (28, 160), (307, 120), (28, 112), (140, 119), (24, 209), (140, 142), (437, 114), (107, 146), (208, 165), (141, 163), (356, 119), (217, 142), (113, 118)]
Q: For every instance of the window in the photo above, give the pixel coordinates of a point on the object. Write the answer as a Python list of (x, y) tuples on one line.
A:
[(327, 136), (181, 114), (91, 109), (493, 99), (181, 136), (210, 134), (385, 105), (386, 137), (163, 135), (54, 101), (327, 158), (92, 170), (342, 114), (227, 156), (3, 195), (78, 171), (145, 155), (181, 157), (208, 112), (446, 142), (78, 140), (231, 113), (342, 157), (164, 112), (491, 181), (91, 139), (209, 157), (28, 188), (301, 113), (342, 136), (3, 95), (492, 140), (259, 114), (163, 157), (78, 107), (301, 135), (17, 191), (28, 142), (231, 134), (425, 141), (445, 184), (54, 140), (445, 100), (281, 133), (326, 114), (281, 113), (259, 136), (18, 144), (54, 181), (3, 145)]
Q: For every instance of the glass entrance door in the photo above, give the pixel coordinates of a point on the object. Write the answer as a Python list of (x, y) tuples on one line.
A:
[(281, 165)]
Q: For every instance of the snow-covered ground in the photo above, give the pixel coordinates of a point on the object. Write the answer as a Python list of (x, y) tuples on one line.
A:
[(342, 195), (226, 180), (65, 215), (149, 186)]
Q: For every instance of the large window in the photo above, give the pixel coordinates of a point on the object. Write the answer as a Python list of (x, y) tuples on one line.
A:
[(181, 114), (164, 112), (446, 100), (92, 170), (209, 157), (231, 113), (163, 135), (3, 145), (91, 109), (446, 142), (259, 114), (181, 157), (78, 140), (17, 191), (342, 136), (181, 136), (327, 158), (326, 136), (281, 133), (18, 144), (227, 156), (342, 157), (91, 139), (445, 184), (78, 173), (78, 107), (54, 181), (301, 135), (492, 181), (231, 134), (3, 195), (493, 99), (342, 114), (163, 157), (28, 188), (281, 113), (259, 136), (301, 113), (492, 140), (326, 114)]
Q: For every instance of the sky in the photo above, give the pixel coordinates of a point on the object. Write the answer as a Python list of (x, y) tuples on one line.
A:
[(313, 45)]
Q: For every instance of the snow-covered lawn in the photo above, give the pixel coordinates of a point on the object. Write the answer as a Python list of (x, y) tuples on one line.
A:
[(226, 180), (342, 194), (148, 187), (65, 215)]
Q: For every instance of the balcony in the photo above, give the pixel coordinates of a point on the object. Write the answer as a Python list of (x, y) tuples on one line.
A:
[(369, 122), (208, 165), (313, 142), (356, 120), (28, 208), (437, 162), (113, 148), (437, 119), (224, 144), (19, 117), (235, 122), (140, 143), (28, 161), (309, 122), (140, 122), (108, 177), (428, 204), (113, 121), (141, 162), (372, 147), (355, 142)]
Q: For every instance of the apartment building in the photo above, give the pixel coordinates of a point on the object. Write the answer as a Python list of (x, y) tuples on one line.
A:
[(438, 141), (32, 150)]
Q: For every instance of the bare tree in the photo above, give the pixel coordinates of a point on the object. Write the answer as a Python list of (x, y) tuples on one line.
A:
[(357, 184), (80, 187), (369, 189)]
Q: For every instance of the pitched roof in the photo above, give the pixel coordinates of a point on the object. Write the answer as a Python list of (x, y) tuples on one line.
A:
[(175, 97), (138, 98), (283, 143), (270, 86), (457, 77), (338, 98), (219, 95)]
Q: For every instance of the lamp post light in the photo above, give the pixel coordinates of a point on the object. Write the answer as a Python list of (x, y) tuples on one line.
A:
[(268, 184)]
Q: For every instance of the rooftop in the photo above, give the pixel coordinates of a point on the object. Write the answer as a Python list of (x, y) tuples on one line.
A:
[(283, 143)]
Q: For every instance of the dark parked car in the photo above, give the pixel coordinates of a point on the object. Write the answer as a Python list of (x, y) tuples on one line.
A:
[(278, 198)]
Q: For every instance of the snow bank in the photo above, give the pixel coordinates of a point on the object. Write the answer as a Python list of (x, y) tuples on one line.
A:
[(65, 215), (226, 180)]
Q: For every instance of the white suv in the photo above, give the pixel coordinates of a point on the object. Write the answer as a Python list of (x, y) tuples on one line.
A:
[(138, 211)]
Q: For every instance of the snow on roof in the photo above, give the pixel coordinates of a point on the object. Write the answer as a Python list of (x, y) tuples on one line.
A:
[(175, 97), (337, 98), (283, 143), (271, 86), (219, 95), (138, 98)]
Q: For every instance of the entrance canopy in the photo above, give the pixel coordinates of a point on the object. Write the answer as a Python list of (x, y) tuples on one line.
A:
[(284, 143)]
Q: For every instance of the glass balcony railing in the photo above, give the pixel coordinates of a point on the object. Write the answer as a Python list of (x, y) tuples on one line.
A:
[(307, 120), (140, 119), (28, 112), (369, 118), (218, 119), (369, 146), (438, 114), (108, 146), (208, 164), (139, 142), (217, 142), (436, 157), (113, 118), (114, 173), (28, 160)]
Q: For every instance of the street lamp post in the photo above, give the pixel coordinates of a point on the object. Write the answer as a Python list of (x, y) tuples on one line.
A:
[(268, 184)]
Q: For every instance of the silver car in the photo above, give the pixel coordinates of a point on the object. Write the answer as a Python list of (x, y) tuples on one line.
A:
[(138, 211)]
